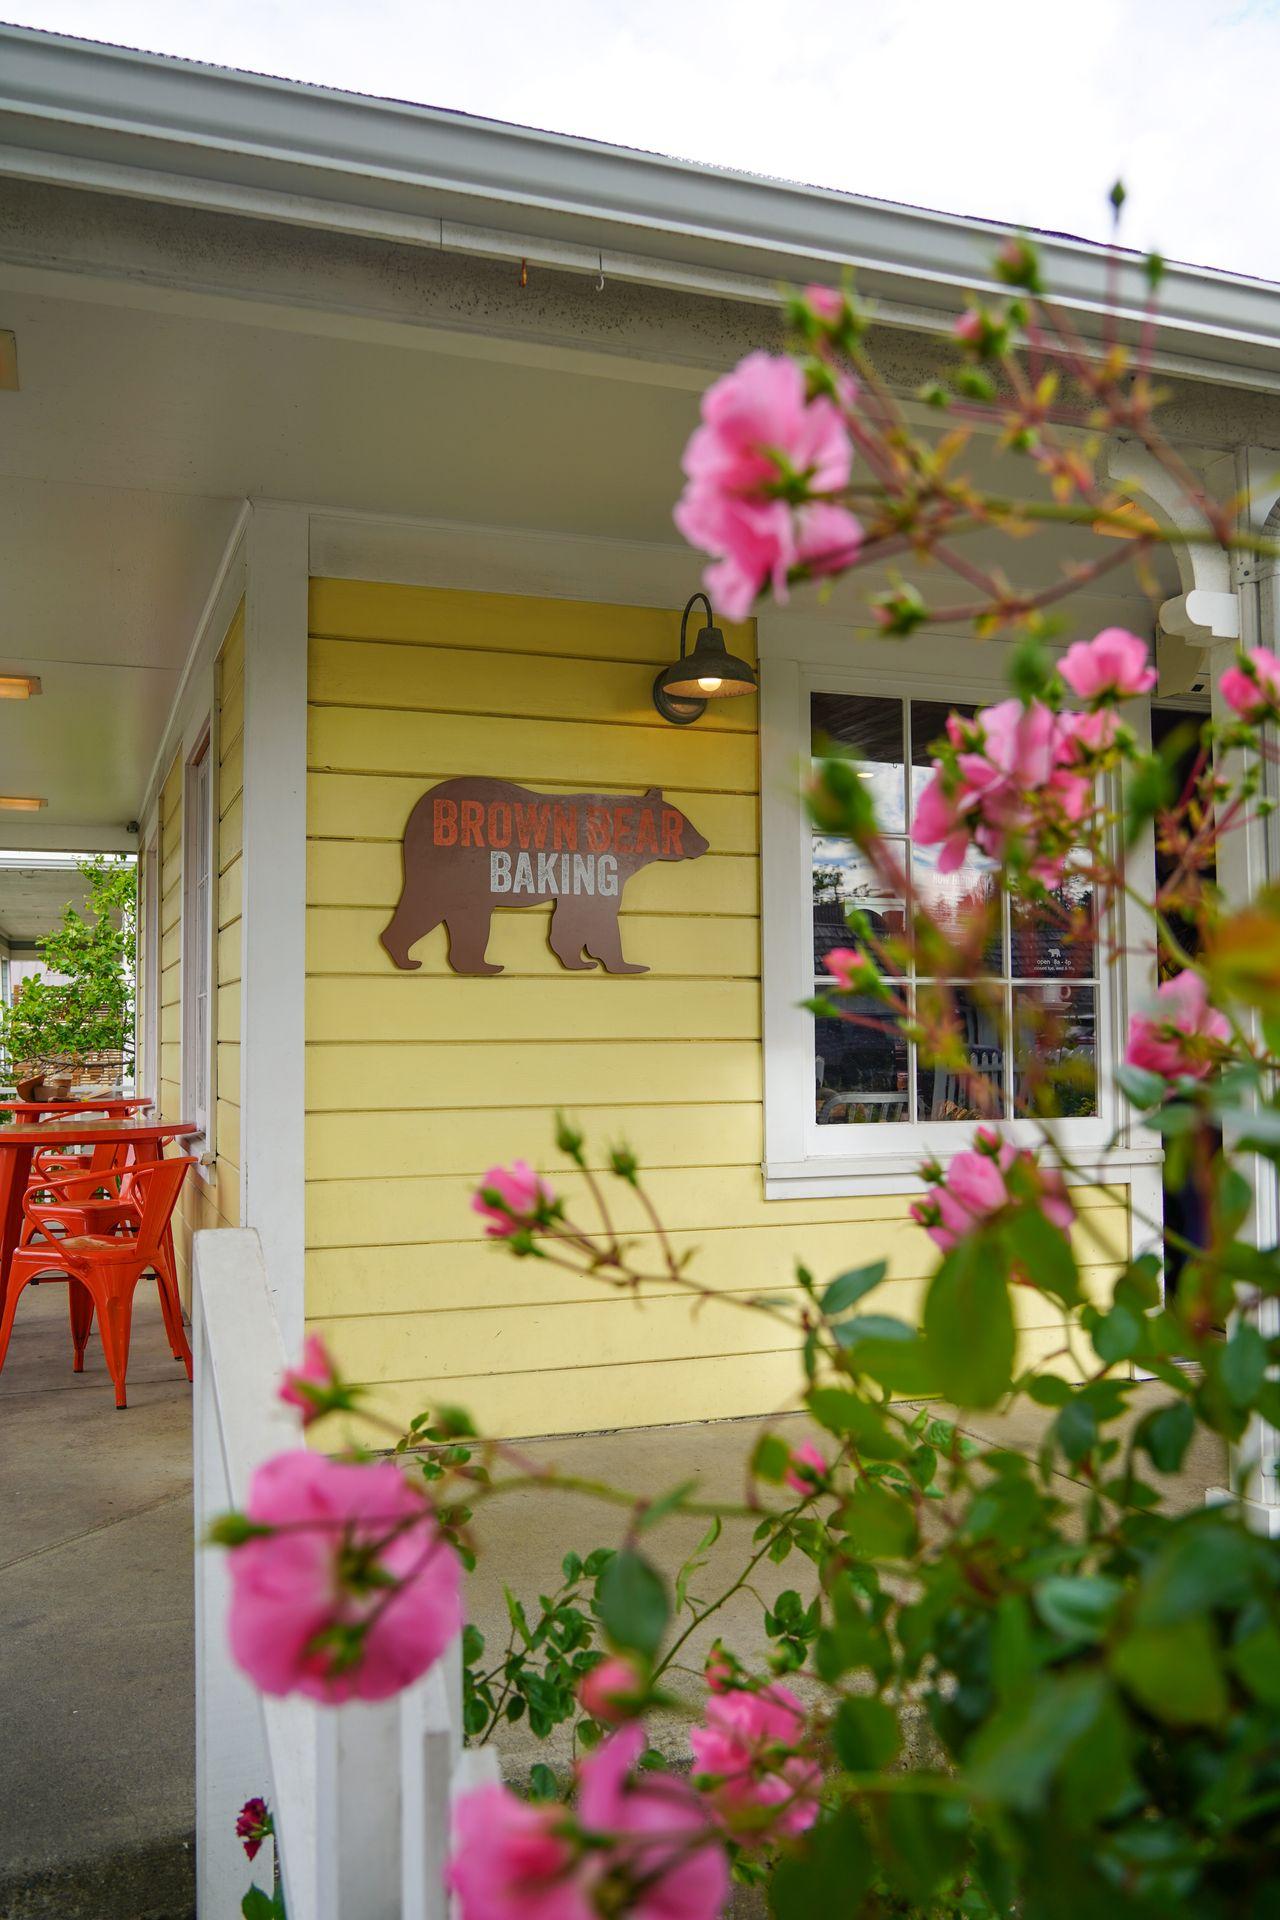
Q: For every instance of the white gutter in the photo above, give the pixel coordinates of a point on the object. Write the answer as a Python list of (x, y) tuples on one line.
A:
[(111, 120)]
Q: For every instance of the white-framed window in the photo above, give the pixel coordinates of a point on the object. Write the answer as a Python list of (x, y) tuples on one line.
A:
[(857, 1107), (197, 941)]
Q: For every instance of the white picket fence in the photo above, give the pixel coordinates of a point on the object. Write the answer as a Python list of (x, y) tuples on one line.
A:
[(360, 1794)]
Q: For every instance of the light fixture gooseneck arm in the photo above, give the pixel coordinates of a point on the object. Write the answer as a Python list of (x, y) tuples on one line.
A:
[(684, 618)]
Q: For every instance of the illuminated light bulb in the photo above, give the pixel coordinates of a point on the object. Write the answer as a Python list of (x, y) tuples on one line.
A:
[(710, 686)]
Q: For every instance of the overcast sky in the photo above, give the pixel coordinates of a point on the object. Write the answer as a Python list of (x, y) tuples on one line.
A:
[(1014, 109)]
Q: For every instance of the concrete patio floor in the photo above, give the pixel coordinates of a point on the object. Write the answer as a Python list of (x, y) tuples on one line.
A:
[(96, 1759)]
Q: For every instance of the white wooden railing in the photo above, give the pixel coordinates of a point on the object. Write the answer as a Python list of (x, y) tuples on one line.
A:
[(360, 1794)]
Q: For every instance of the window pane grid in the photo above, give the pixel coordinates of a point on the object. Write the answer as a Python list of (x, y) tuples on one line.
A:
[(1012, 1024)]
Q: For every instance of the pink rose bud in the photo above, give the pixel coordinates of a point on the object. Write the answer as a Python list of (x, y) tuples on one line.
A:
[(1252, 689), (808, 1469), (968, 327), (253, 1826), (614, 1691), (1111, 666), (720, 1670), (848, 967), (974, 1189), (826, 303), (313, 1387), (512, 1199)]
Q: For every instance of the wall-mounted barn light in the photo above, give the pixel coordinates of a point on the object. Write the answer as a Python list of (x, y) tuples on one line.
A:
[(710, 672)]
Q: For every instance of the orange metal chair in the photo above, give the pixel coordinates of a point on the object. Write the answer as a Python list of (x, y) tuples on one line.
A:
[(103, 1270), (89, 1197)]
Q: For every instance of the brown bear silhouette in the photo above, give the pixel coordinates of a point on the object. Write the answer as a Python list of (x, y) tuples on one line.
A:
[(474, 843)]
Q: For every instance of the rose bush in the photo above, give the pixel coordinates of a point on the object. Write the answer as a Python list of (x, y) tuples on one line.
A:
[(1089, 1674)]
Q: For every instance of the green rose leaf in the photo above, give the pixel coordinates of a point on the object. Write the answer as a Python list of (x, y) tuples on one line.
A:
[(1243, 1364), (1165, 1435), (851, 1418), (968, 1326), (1175, 1672), (848, 1288), (1043, 1253), (631, 1596), (1256, 1659), (829, 1874), (866, 1734), (881, 1525), (922, 1841), (1015, 1756), (1077, 1606)]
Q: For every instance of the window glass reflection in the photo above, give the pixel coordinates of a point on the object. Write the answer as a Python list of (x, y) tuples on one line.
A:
[(1056, 937), (957, 904), (860, 1067), (963, 1080), (1055, 1050), (843, 877), (873, 729)]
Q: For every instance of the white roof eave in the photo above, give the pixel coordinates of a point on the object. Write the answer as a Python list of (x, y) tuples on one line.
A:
[(112, 120)]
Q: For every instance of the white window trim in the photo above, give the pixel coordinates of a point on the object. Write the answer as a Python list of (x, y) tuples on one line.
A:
[(199, 926), (803, 1161), (147, 1067)]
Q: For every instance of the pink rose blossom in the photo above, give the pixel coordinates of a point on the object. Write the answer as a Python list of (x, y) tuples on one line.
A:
[(355, 1596), (759, 427), (968, 327), (311, 1385), (1111, 666), (976, 1188), (827, 303), (511, 1199), (1179, 1037), (641, 1845), (1253, 689), (808, 1469), (1008, 775), (827, 537), (761, 1787), (666, 1862), (613, 1691), (511, 1860), (1094, 732)]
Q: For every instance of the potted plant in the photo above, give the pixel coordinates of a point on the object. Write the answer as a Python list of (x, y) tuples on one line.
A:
[(74, 1024)]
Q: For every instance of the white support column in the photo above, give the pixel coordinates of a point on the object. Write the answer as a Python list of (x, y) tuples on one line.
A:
[(1248, 861), (1230, 598), (275, 893)]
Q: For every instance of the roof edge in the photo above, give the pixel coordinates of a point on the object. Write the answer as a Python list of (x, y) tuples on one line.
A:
[(73, 108)]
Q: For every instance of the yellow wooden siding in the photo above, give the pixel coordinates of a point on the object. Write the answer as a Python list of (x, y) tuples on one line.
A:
[(416, 1082)]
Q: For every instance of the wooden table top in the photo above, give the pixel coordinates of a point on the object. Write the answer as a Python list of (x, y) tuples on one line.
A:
[(65, 1131)]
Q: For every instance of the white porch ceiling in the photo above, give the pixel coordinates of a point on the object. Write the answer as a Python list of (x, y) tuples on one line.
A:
[(32, 899), (143, 420)]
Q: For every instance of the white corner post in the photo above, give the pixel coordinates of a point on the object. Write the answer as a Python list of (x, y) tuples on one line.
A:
[(273, 1033), (1230, 599)]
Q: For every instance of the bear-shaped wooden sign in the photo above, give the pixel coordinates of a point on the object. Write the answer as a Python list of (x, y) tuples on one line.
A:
[(473, 844)]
